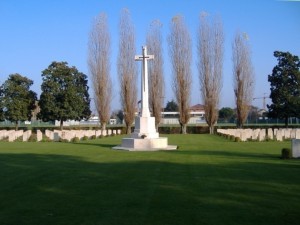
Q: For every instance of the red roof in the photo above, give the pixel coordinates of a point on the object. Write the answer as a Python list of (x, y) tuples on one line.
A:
[(197, 107)]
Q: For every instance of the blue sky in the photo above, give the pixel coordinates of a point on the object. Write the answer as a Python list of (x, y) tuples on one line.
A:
[(34, 33)]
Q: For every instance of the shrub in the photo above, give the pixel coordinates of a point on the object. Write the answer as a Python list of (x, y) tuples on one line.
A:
[(75, 139), (85, 138), (237, 139), (5, 139), (32, 138), (63, 140), (286, 153), (46, 139), (19, 139), (93, 137)]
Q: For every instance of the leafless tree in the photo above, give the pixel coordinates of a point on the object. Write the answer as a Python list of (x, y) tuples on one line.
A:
[(180, 50), (243, 76), (99, 67), (127, 68), (155, 69), (210, 66)]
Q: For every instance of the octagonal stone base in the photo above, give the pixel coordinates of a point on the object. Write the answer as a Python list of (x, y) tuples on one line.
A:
[(139, 144)]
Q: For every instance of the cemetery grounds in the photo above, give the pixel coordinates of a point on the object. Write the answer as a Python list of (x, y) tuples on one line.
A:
[(208, 180)]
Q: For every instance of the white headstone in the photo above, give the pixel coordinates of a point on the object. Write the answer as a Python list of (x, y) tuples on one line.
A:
[(26, 135), (270, 134), (56, 136), (296, 148), (297, 133), (262, 135), (279, 135), (255, 134), (49, 134), (39, 136)]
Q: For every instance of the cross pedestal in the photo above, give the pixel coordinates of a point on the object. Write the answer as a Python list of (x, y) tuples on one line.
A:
[(145, 137)]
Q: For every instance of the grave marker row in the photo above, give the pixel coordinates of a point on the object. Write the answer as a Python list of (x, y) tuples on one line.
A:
[(56, 135), (262, 134)]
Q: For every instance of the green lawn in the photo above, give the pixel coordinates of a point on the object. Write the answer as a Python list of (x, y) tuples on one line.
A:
[(209, 180)]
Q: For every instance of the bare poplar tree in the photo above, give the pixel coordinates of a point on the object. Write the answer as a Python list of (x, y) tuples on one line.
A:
[(127, 69), (99, 67), (180, 50), (155, 69), (210, 66), (243, 76)]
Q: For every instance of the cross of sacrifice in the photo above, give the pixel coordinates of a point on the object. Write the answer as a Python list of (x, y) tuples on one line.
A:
[(144, 58), (144, 80)]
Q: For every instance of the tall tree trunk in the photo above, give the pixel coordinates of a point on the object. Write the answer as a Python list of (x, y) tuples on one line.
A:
[(156, 127), (286, 121), (211, 129), (61, 124), (16, 125), (183, 128), (103, 127), (128, 129)]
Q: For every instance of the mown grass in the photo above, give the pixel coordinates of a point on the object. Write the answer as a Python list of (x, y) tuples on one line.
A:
[(209, 180)]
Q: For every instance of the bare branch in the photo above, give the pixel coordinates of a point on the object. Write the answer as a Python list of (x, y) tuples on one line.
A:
[(156, 79), (180, 50), (99, 67), (210, 65), (243, 77), (127, 69)]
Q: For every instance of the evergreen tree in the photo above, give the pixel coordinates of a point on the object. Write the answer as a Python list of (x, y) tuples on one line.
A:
[(64, 94), (285, 87), (17, 100), (171, 106), (2, 118), (226, 113)]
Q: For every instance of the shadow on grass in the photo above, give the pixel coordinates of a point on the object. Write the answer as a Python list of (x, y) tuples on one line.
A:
[(58, 189), (227, 153), (104, 145)]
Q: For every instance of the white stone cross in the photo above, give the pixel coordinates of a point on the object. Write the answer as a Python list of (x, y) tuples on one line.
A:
[(144, 81)]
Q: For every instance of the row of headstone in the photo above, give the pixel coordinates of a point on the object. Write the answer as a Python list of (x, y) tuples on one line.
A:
[(68, 135), (12, 135), (56, 135), (262, 134)]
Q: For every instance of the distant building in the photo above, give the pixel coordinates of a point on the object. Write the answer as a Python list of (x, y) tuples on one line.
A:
[(196, 111)]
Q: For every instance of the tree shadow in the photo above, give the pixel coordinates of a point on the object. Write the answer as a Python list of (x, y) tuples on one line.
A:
[(61, 189), (103, 145)]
